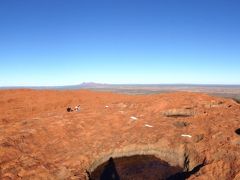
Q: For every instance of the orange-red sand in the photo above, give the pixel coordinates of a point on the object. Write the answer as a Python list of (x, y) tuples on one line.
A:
[(39, 139)]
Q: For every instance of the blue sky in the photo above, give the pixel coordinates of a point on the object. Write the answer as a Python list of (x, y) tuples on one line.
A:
[(61, 42)]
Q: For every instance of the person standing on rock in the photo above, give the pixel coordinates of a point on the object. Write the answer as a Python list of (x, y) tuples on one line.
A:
[(77, 108)]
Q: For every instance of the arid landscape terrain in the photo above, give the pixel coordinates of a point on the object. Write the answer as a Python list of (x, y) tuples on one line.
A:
[(119, 90), (196, 133)]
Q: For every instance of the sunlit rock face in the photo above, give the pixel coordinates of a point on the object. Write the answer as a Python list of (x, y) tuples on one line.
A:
[(40, 139)]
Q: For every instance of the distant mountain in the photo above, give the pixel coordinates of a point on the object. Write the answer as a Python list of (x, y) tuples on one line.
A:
[(92, 85)]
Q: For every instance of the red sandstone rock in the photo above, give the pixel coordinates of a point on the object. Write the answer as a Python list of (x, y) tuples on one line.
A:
[(40, 139)]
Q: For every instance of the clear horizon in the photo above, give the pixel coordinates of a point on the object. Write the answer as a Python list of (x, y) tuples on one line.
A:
[(66, 85), (55, 43)]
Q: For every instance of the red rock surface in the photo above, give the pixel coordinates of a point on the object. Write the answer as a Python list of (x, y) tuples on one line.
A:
[(40, 140)]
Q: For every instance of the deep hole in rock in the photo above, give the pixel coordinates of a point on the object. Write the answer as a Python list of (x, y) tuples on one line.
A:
[(237, 131), (237, 100), (178, 115), (138, 167), (181, 124)]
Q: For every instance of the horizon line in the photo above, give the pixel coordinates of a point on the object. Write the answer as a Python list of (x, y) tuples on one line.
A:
[(95, 83)]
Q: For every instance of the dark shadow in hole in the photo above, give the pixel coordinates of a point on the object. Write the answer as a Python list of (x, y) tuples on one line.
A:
[(134, 167), (110, 172), (178, 116), (143, 167), (185, 175), (181, 124), (88, 175), (237, 131), (236, 100)]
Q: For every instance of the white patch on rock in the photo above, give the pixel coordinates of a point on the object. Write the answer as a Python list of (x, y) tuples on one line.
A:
[(133, 118), (147, 125), (186, 135)]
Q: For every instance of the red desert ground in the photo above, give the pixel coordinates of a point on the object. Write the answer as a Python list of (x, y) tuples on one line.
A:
[(179, 135)]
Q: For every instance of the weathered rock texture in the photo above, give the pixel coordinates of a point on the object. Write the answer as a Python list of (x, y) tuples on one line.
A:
[(39, 139)]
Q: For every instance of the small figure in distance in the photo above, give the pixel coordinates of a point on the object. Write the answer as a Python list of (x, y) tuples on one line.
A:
[(69, 109), (77, 108)]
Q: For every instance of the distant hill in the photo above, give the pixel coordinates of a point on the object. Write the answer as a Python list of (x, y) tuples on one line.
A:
[(93, 85), (231, 91)]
